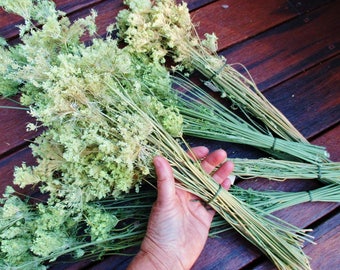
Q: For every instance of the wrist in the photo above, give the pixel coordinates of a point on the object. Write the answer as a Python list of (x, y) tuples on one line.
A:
[(144, 260)]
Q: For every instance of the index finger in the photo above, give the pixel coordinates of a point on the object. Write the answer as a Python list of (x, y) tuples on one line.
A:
[(198, 152), (165, 180)]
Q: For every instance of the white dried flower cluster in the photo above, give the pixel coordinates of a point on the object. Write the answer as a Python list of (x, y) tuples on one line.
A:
[(93, 101), (70, 89), (31, 235), (27, 235), (161, 28)]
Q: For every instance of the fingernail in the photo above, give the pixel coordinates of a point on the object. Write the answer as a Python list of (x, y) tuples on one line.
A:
[(232, 178)]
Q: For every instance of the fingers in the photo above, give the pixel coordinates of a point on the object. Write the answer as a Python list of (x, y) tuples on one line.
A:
[(222, 175), (198, 152), (165, 180), (211, 161)]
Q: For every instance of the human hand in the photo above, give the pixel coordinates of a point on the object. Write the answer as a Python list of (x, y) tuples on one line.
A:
[(179, 222)]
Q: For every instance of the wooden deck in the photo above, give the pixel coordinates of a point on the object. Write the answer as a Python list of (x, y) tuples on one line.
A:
[(291, 48)]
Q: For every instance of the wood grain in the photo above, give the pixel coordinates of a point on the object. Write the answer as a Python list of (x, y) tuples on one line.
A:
[(13, 127), (291, 48), (323, 255), (236, 21), (310, 101)]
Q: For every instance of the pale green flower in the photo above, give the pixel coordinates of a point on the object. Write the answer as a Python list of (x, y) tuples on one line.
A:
[(138, 5), (14, 208), (15, 248), (210, 42), (8, 87), (52, 218), (44, 10), (49, 242), (20, 7), (12, 232), (24, 176), (100, 223)]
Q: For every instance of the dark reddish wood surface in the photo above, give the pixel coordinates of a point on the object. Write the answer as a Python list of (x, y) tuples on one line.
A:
[(291, 50)]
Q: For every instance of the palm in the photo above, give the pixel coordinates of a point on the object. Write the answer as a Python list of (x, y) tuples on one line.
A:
[(179, 227)]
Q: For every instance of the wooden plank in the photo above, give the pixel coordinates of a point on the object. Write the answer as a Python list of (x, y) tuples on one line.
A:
[(8, 24), (107, 11), (303, 215), (234, 21), (229, 252), (330, 138), (196, 4), (13, 127), (85, 265), (113, 262), (291, 48), (310, 101), (325, 255), (305, 6)]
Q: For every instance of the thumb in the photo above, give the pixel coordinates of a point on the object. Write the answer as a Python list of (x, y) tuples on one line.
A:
[(165, 180)]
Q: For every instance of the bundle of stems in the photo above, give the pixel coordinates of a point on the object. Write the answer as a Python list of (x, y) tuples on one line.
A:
[(281, 170), (270, 201), (280, 241), (164, 28), (243, 93), (205, 117), (133, 210)]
